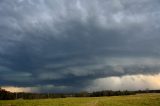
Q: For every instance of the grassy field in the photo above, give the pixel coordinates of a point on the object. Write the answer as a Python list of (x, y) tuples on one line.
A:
[(133, 100)]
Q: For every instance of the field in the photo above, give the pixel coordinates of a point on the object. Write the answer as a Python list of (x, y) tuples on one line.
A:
[(132, 100)]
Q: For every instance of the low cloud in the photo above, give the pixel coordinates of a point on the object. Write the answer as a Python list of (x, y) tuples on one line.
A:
[(128, 82)]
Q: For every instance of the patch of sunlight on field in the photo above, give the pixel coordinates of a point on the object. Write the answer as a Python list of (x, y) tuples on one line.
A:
[(134, 100)]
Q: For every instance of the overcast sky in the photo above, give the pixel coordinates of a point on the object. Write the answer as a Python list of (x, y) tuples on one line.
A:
[(77, 45)]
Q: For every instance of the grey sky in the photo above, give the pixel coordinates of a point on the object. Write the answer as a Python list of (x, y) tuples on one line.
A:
[(70, 44)]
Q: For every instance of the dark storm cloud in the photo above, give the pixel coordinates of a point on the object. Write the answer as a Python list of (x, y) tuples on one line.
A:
[(68, 44)]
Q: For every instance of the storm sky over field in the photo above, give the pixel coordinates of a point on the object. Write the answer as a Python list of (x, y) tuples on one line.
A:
[(77, 45)]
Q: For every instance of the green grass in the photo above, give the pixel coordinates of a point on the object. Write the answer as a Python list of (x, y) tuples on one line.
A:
[(132, 100)]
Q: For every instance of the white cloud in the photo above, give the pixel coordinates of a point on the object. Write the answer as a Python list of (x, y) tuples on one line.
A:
[(128, 82)]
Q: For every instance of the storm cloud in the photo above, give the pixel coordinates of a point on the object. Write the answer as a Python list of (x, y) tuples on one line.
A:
[(64, 46)]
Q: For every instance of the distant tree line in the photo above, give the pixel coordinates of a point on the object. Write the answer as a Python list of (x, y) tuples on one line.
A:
[(105, 93), (5, 95)]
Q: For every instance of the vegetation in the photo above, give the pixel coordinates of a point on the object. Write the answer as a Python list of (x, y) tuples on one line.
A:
[(5, 95), (130, 100), (99, 98)]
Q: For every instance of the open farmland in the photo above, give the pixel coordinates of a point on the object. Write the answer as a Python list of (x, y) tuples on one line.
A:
[(133, 100)]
